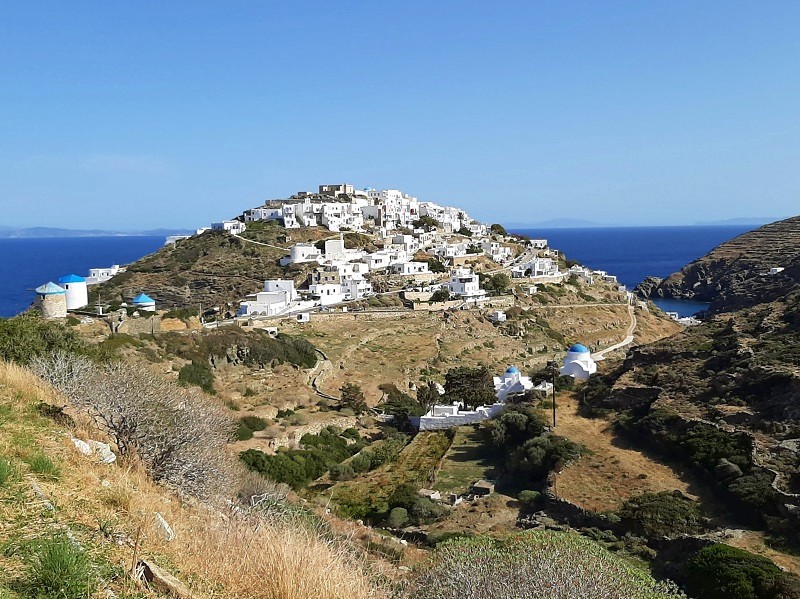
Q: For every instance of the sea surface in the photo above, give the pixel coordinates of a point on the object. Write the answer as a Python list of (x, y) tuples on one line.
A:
[(27, 263), (630, 253), (633, 253)]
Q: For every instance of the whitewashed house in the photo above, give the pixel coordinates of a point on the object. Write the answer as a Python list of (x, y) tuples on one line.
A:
[(100, 275), (327, 293), (303, 252), (410, 268), (234, 227), (465, 284)]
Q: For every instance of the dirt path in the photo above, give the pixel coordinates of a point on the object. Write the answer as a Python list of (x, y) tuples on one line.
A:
[(614, 471)]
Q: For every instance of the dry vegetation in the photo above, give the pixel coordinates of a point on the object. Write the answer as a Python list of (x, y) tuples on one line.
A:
[(105, 507)]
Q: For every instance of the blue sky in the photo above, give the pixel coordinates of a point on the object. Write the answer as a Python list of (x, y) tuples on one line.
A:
[(123, 115)]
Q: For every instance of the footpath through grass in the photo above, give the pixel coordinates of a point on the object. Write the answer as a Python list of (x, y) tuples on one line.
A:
[(464, 463)]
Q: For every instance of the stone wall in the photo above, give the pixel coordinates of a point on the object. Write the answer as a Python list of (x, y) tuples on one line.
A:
[(137, 326)]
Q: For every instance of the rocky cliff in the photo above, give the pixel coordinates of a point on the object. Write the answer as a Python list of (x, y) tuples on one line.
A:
[(735, 274)]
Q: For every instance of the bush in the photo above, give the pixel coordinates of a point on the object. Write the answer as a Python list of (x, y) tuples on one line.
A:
[(199, 375), (440, 295), (254, 423), (721, 571), (179, 435), (342, 472), (297, 467), (24, 338), (662, 514), (529, 498), (544, 564), (397, 518), (59, 570)]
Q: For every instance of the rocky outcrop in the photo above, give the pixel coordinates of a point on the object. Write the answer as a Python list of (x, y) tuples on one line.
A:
[(736, 274)]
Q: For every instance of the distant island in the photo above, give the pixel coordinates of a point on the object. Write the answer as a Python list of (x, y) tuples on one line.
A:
[(40, 232)]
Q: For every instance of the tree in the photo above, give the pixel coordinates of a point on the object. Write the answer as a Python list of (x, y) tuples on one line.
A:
[(501, 282), (471, 387), (498, 229), (435, 265), (427, 395), (427, 222), (353, 398), (441, 295), (465, 232)]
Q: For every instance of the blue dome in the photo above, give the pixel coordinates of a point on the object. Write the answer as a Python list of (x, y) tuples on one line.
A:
[(579, 348), (49, 289), (512, 370), (72, 279)]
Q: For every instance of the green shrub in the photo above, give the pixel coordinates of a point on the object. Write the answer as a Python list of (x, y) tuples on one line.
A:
[(243, 432), (59, 570), (23, 338), (342, 472), (254, 423), (42, 465), (722, 572), (397, 518), (362, 462), (248, 392), (297, 467), (662, 514), (542, 564), (199, 374), (529, 498)]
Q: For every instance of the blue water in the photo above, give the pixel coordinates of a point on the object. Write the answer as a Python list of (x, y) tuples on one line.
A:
[(632, 253), (27, 263)]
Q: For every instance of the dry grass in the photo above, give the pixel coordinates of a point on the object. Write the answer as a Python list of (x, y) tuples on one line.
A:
[(218, 554), (613, 472)]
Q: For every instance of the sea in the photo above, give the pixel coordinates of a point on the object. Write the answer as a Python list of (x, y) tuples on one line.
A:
[(27, 263), (630, 253), (633, 253)]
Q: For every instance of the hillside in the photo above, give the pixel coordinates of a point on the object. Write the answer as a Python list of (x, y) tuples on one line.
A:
[(723, 399), (212, 269), (735, 274)]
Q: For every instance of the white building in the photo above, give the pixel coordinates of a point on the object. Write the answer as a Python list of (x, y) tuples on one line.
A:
[(511, 383), (234, 227), (465, 284), (498, 316), (538, 267), (538, 244), (443, 416), (327, 293), (77, 295), (578, 363), (303, 252), (100, 275), (410, 268)]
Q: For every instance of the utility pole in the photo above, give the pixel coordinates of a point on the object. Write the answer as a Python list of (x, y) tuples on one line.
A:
[(555, 365)]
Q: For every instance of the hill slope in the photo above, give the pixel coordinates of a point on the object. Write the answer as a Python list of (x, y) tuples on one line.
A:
[(734, 274), (211, 269)]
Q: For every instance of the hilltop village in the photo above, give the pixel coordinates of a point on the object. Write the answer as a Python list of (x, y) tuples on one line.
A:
[(408, 256)]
